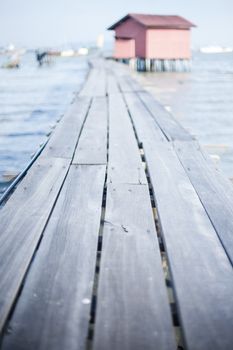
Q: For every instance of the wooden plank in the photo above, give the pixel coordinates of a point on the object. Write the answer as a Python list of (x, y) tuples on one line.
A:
[(222, 179), (169, 126), (92, 145), (22, 221), (98, 62), (132, 302), (184, 221), (101, 87), (216, 169), (134, 85), (65, 137), (144, 123), (117, 68), (125, 164), (96, 83), (201, 271), (124, 75), (54, 307), (124, 84), (112, 86), (120, 72), (212, 193), (88, 88)]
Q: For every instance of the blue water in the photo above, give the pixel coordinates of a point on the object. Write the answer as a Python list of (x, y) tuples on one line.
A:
[(32, 99), (202, 101)]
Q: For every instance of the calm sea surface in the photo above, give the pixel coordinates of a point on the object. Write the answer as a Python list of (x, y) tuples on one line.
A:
[(32, 99), (202, 101)]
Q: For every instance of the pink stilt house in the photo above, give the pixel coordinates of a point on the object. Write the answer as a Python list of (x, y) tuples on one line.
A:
[(153, 41)]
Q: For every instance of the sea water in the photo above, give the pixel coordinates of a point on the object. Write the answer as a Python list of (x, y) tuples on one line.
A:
[(32, 99), (202, 101)]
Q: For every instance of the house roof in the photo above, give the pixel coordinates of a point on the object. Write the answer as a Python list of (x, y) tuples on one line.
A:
[(156, 21)]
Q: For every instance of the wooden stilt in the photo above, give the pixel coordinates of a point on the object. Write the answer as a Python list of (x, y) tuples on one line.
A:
[(147, 65), (158, 65)]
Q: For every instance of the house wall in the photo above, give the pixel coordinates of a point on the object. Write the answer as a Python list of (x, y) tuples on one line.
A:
[(124, 48), (131, 29), (168, 44)]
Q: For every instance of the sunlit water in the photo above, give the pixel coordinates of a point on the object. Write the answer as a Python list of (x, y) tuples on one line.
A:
[(202, 101), (32, 99)]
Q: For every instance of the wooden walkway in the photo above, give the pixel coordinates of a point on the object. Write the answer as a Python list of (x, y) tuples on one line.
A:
[(120, 236)]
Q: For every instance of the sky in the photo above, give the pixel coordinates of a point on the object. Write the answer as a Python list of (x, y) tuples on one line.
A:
[(33, 23)]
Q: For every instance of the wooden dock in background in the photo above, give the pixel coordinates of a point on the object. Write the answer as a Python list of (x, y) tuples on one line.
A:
[(120, 236)]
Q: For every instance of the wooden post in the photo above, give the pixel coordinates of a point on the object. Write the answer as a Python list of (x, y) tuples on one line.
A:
[(132, 63), (147, 65), (160, 65)]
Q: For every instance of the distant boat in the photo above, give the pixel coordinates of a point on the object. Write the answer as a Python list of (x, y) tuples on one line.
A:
[(216, 49)]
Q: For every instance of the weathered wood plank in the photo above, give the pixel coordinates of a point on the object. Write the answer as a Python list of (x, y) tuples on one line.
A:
[(96, 83), (92, 145), (112, 86), (144, 123), (201, 271), (168, 178), (117, 68), (22, 221), (132, 302), (120, 72), (212, 192), (65, 136), (125, 164), (131, 83), (90, 83), (220, 176), (101, 83), (125, 77), (124, 83), (54, 307), (169, 126)]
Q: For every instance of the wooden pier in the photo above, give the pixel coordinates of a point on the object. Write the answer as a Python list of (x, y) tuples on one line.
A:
[(120, 236)]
